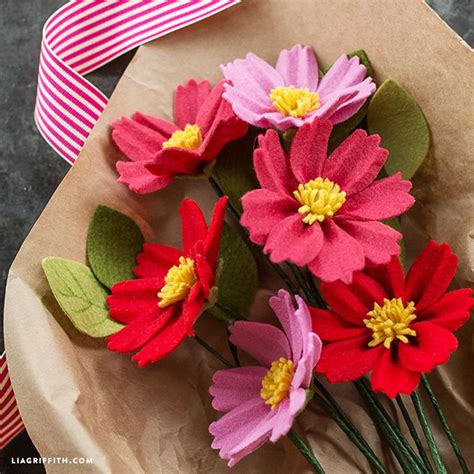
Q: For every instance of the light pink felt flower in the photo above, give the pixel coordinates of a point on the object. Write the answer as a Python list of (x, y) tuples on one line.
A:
[(261, 402), (322, 211), (291, 94)]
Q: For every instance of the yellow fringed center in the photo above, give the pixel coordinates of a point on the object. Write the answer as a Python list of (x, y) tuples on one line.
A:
[(277, 382), (294, 102), (178, 282), (391, 321), (190, 138), (319, 198)]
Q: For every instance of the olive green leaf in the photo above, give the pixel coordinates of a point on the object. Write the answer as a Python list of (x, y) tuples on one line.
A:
[(398, 119), (113, 242), (237, 279)]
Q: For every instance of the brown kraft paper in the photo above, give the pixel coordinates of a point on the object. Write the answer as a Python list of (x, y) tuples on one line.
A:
[(78, 399)]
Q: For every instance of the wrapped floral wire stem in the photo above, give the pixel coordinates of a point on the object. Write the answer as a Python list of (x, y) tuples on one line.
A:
[(444, 424)]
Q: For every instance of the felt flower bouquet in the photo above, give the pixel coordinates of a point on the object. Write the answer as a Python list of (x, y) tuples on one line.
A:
[(312, 169)]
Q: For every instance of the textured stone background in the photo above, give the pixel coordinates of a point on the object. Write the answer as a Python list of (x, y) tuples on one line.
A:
[(30, 170)]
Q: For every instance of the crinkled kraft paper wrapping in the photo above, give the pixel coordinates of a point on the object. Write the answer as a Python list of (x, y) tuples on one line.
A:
[(77, 399)]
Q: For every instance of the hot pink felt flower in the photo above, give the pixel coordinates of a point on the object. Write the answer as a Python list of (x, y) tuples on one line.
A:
[(159, 150), (291, 94), (323, 211), (261, 402)]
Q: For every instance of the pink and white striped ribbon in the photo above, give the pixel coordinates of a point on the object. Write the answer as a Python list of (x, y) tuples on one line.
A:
[(83, 36), (77, 39), (11, 423)]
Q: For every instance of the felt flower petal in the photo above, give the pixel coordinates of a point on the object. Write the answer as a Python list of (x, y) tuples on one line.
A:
[(343, 73), (451, 311), (347, 360), (391, 378), (139, 331), (139, 179), (133, 297), (379, 241), (156, 260), (136, 141), (430, 275), (272, 166), (214, 234), (331, 103), (242, 430), (233, 387), (298, 67), (175, 331), (433, 347), (384, 199), (224, 128), (308, 150), (286, 414), (330, 327), (188, 100), (345, 302), (264, 342), (340, 255), (356, 162), (390, 277), (367, 289), (305, 368), (175, 160), (263, 210), (193, 224), (351, 106), (161, 126), (254, 76), (246, 107), (292, 325), (294, 241)]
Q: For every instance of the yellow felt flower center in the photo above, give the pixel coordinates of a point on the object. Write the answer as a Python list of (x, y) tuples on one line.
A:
[(391, 321), (178, 282), (277, 382), (319, 198), (189, 138), (294, 102)]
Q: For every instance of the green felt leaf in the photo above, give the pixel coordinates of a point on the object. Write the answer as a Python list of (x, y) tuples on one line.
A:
[(234, 168), (342, 130), (398, 119), (237, 279), (80, 296), (113, 242)]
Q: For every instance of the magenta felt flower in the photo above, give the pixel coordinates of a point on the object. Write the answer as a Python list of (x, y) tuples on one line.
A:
[(159, 150), (323, 211), (261, 402), (291, 94)]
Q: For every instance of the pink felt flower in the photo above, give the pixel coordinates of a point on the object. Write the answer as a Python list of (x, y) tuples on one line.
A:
[(323, 211), (291, 94), (261, 402), (159, 150)]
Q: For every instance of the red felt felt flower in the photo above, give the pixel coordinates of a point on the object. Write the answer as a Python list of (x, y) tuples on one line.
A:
[(322, 211), (160, 307), (394, 326), (159, 150)]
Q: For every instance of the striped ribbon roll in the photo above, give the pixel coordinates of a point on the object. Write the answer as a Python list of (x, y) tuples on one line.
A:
[(77, 39), (83, 36), (10, 419)]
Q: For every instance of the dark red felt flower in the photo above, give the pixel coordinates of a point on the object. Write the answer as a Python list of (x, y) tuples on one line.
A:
[(160, 307), (397, 327), (159, 150)]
